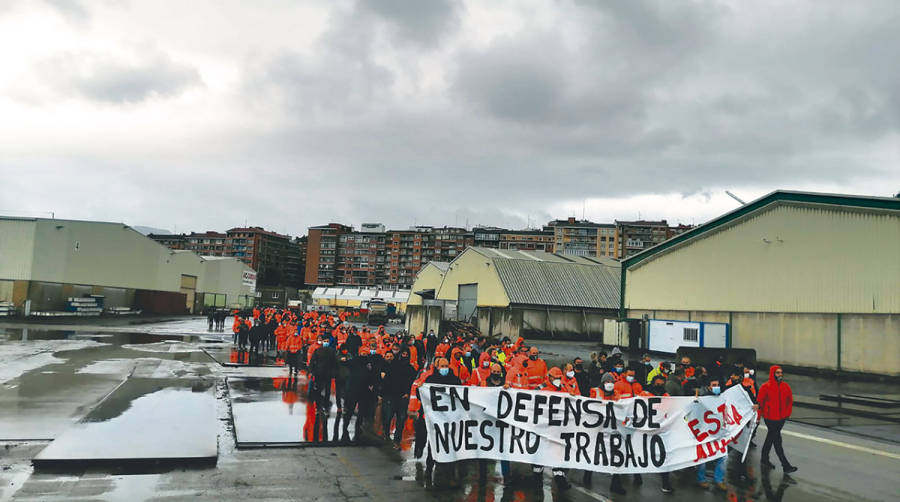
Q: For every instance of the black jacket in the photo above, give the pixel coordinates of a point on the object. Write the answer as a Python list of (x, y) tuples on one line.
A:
[(363, 374), (398, 378), (450, 379), (324, 363), (353, 343), (431, 343), (674, 387), (584, 383)]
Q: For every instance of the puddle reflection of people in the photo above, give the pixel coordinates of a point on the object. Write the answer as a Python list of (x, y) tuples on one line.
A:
[(360, 394), (778, 493), (288, 392)]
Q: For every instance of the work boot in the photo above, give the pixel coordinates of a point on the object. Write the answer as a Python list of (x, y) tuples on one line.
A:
[(562, 484), (667, 487), (766, 464), (703, 484), (790, 468), (722, 486), (616, 485)]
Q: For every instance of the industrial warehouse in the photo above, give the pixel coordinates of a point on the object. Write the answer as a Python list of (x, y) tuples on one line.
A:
[(806, 279), (517, 293), (51, 266)]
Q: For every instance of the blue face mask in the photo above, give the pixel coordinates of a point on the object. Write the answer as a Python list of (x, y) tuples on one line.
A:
[(444, 371), (372, 351), (619, 370), (468, 354), (716, 390), (324, 344)]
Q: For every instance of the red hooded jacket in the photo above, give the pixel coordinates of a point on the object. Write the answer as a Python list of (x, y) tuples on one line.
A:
[(775, 398)]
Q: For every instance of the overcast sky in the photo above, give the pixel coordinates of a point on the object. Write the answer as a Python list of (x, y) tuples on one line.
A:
[(197, 115)]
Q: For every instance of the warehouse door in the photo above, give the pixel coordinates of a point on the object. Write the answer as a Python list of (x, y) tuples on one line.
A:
[(189, 289), (467, 301)]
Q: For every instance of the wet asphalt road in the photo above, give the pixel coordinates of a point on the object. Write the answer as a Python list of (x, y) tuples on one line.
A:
[(52, 381)]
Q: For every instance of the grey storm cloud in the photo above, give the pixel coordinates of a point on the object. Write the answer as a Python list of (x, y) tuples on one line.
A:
[(395, 113), (424, 23), (104, 78)]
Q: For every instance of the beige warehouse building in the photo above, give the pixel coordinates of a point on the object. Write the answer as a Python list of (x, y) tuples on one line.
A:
[(43, 262), (517, 293), (806, 279)]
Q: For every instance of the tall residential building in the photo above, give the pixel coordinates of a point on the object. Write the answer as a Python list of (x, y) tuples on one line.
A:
[(171, 241), (527, 240), (273, 256), (408, 250), (360, 258), (208, 243), (337, 255), (576, 237), (278, 259), (607, 240), (635, 236), (321, 253)]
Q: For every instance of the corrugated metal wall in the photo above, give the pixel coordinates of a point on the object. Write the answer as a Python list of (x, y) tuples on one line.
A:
[(16, 248), (788, 258)]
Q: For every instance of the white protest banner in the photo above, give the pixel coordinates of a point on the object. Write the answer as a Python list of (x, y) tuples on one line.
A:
[(635, 435)]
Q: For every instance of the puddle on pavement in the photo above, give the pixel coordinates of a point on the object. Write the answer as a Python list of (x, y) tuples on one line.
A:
[(125, 338), (40, 405), (277, 412), (144, 420), (231, 356)]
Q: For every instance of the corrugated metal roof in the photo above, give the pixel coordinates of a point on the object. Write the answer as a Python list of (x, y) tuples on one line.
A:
[(558, 283)]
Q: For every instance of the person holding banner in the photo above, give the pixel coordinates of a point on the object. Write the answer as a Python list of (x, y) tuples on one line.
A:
[(442, 376), (555, 383), (496, 379), (712, 389), (606, 392), (628, 385), (657, 387)]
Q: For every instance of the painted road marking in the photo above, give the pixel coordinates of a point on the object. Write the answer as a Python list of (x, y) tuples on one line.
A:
[(591, 494), (838, 443)]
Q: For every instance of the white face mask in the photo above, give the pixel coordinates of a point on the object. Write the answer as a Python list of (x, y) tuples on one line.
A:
[(609, 386), (556, 382), (570, 374), (629, 378), (486, 364)]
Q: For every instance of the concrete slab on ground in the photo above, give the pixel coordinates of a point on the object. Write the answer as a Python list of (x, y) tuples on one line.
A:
[(143, 420)]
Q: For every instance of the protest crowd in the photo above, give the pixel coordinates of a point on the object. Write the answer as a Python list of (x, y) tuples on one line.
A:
[(366, 370)]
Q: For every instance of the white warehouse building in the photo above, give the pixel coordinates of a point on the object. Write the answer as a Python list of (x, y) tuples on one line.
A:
[(44, 262)]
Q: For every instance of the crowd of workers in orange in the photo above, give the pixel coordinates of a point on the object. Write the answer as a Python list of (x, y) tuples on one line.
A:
[(367, 369)]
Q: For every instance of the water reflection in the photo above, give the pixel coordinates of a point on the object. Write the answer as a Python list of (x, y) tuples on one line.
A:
[(144, 419)]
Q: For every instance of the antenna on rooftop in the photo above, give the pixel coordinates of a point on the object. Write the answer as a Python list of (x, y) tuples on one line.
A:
[(735, 197)]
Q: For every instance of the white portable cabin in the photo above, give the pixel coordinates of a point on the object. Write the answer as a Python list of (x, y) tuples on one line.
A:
[(667, 336)]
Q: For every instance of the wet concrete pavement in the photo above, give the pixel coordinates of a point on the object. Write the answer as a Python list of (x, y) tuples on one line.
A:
[(51, 382)]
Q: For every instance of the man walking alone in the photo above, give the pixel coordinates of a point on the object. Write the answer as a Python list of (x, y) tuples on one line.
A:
[(776, 402)]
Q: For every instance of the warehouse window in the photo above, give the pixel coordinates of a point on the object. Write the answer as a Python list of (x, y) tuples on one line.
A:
[(691, 334)]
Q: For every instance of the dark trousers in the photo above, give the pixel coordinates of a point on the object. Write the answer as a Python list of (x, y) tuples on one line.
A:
[(320, 391), (394, 408), (773, 437), (364, 401)]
